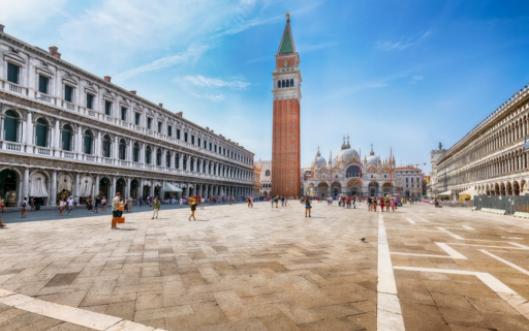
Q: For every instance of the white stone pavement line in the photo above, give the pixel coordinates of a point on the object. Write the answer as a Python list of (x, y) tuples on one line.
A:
[(467, 227), (451, 234), (514, 247), (451, 253), (504, 261), (410, 221), (85, 318), (389, 314), (515, 300)]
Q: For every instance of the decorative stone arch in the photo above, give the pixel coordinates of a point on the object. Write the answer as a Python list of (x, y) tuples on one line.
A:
[(10, 185), (508, 188), (515, 188), (121, 185), (373, 188), (323, 190), (39, 186), (523, 186), (497, 189), (336, 189), (64, 185)]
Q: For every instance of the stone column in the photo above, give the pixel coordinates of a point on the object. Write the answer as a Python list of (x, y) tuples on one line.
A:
[(142, 153), (96, 190), (77, 181), (28, 132), (181, 161), (25, 185), (127, 188), (112, 188), (57, 135), (97, 148), (53, 189), (79, 140)]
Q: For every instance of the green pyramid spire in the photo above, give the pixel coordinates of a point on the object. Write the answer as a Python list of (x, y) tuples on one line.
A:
[(287, 43)]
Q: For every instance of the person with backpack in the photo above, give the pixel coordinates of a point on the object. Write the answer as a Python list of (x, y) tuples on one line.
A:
[(308, 206)]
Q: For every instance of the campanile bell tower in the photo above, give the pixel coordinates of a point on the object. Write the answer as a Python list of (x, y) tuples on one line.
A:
[(286, 163)]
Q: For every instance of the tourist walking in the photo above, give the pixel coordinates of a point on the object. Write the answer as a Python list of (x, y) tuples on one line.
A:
[(2, 205), (62, 207), (192, 201), (24, 208), (69, 204), (117, 210), (250, 202), (308, 206), (369, 204), (155, 208)]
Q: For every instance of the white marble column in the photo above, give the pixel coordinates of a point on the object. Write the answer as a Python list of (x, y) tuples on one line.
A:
[(25, 185), (53, 189), (28, 130), (127, 188), (113, 181)]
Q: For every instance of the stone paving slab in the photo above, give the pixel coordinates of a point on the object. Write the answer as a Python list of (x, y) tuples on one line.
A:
[(234, 268), (270, 269)]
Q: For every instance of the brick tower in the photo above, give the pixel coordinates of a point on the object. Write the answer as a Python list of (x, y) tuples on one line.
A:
[(286, 167)]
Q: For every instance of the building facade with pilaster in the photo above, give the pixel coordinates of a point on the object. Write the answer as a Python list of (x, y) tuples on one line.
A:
[(491, 159), (65, 131)]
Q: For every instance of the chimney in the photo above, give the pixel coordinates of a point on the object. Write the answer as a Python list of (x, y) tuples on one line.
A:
[(160, 105), (108, 79), (133, 92), (2, 28), (54, 51)]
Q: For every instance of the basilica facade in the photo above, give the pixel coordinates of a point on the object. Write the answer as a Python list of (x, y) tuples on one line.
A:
[(65, 131), (348, 174)]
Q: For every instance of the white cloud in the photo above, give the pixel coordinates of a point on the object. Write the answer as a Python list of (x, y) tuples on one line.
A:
[(400, 45), (29, 12), (212, 82), (190, 55)]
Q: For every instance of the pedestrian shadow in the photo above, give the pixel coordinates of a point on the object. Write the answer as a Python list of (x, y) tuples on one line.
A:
[(199, 220), (126, 229)]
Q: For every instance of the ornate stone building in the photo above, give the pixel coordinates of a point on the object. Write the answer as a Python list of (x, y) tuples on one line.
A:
[(286, 157), (409, 182), (348, 174), (491, 159), (66, 131), (265, 178)]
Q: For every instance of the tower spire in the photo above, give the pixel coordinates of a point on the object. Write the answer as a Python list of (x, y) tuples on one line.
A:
[(287, 45)]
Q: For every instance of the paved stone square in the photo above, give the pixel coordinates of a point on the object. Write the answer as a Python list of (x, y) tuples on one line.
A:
[(268, 269)]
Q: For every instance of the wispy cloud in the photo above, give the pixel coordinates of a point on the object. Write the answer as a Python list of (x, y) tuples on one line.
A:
[(190, 55), (29, 12), (212, 82), (317, 47), (400, 45)]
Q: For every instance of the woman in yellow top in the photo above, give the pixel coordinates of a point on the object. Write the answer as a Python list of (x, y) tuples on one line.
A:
[(192, 201)]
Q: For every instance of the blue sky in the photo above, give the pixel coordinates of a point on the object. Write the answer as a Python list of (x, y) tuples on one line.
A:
[(402, 73)]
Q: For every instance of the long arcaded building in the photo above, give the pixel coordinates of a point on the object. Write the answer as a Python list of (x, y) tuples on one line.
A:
[(65, 131), (491, 159)]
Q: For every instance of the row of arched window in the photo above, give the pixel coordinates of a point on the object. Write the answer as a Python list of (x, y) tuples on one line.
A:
[(285, 83), (12, 130)]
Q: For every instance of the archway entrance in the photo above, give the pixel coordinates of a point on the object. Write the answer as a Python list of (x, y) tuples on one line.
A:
[(387, 188), (336, 189), (157, 190), (354, 187), (134, 186), (8, 187), (104, 187), (120, 186), (146, 192), (323, 190), (373, 189)]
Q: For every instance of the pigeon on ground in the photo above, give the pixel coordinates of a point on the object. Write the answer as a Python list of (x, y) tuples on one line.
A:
[(363, 239)]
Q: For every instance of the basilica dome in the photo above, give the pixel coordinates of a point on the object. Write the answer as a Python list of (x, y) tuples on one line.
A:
[(319, 161), (347, 156)]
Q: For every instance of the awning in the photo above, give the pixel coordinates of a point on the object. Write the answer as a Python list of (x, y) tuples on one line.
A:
[(469, 191), (168, 187), (447, 193)]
